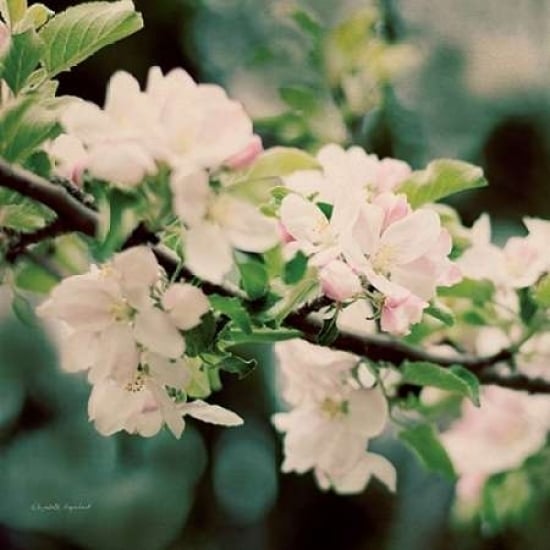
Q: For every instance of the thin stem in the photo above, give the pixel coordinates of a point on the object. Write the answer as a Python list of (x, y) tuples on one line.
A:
[(75, 216)]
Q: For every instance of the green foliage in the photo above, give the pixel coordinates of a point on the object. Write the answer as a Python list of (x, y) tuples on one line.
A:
[(22, 58), (23, 310), (505, 500), (479, 292), (455, 379), (80, 31), (295, 269), (22, 214), (541, 292), (424, 442), (440, 179), (233, 309), (200, 338), (441, 313), (254, 278), (281, 161), (24, 126), (329, 330)]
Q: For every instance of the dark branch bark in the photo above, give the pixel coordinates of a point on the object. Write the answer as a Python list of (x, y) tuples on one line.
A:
[(75, 216)]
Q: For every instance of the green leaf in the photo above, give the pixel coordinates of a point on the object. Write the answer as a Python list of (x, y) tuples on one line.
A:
[(295, 269), (480, 292), (424, 442), (440, 179), (308, 22), (541, 292), (24, 126), (281, 161), (80, 31), (200, 338), (232, 308), (237, 365), (329, 330), (198, 385), (35, 17), (22, 214), (505, 500), (23, 310), (118, 219), (22, 58), (527, 305), (35, 278), (455, 379), (441, 313), (300, 98), (254, 278)]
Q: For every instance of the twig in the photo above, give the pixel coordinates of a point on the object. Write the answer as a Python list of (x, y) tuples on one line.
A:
[(77, 217)]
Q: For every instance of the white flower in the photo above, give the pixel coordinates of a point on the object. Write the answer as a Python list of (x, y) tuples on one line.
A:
[(352, 170), (122, 139), (518, 264), (201, 125), (498, 436), (332, 418), (330, 438), (216, 224), (311, 372)]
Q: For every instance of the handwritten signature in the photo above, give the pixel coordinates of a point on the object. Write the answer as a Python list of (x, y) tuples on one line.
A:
[(60, 507)]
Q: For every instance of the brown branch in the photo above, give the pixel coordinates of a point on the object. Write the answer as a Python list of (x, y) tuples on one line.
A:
[(74, 216)]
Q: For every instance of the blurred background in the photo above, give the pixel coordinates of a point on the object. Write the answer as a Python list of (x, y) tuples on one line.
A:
[(418, 80)]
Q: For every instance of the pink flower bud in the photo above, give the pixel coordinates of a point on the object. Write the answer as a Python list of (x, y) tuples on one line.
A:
[(339, 282), (399, 313), (247, 156)]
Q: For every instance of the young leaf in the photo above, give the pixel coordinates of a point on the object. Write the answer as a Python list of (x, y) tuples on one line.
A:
[(232, 308), (424, 442), (443, 314), (23, 310), (295, 269), (541, 292), (22, 214), (440, 179), (455, 379), (254, 278), (329, 331), (80, 31), (22, 58), (24, 126), (300, 98), (237, 365), (480, 292), (281, 161), (505, 500), (199, 339)]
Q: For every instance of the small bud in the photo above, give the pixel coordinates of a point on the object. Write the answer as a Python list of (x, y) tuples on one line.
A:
[(5, 39)]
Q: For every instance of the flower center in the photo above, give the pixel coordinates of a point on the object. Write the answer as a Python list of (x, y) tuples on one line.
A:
[(334, 409), (121, 311), (136, 385), (384, 259)]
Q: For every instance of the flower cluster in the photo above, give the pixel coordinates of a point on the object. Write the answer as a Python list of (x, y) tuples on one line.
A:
[(125, 324), (335, 411), (193, 130), (364, 237)]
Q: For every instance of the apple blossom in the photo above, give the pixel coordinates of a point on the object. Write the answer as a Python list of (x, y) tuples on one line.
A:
[(498, 436), (351, 169), (69, 157), (518, 264), (331, 420), (122, 322), (216, 223)]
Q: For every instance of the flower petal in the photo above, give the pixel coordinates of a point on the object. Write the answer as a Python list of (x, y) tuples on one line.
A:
[(154, 330), (214, 414)]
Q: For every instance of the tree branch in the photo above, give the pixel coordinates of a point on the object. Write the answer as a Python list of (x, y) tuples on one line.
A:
[(75, 216)]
